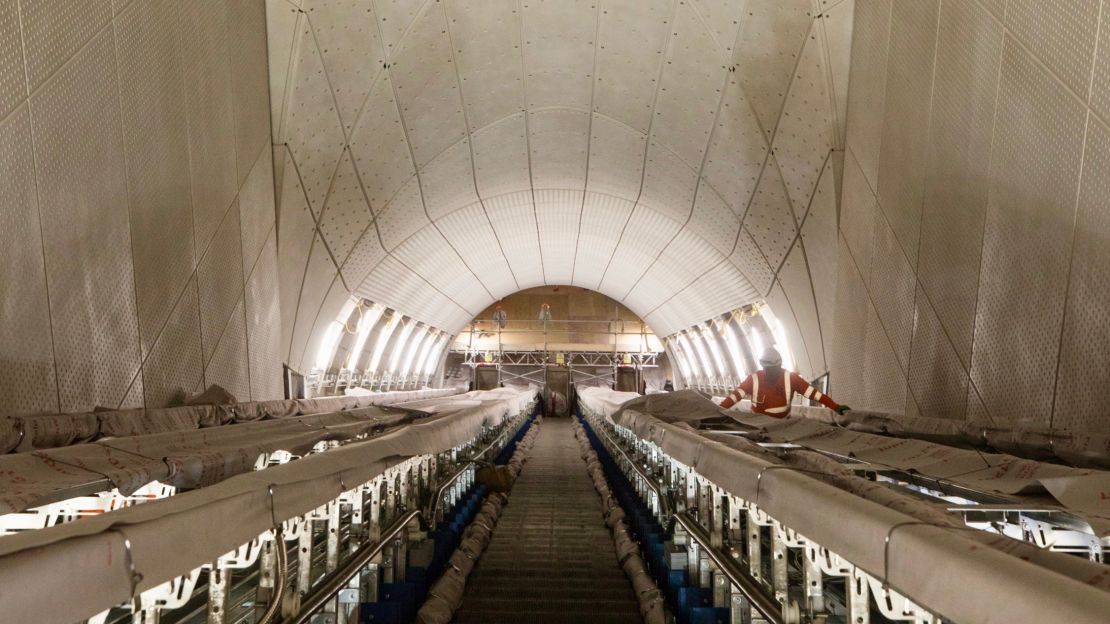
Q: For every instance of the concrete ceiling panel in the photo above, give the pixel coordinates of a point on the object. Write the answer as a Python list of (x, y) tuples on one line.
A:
[(427, 89), (557, 214), (468, 230), (616, 158), (349, 39), (559, 40), (603, 220), (514, 221), (632, 35), (379, 146), (403, 216), (482, 30), (501, 157), (558, 140)]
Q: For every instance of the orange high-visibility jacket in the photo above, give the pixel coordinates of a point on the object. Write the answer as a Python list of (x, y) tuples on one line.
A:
[(771, 393)]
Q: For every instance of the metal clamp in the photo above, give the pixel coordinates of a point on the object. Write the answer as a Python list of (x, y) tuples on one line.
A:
[(133, 575)]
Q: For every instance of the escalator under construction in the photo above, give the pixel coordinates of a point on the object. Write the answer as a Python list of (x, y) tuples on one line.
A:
[(651, 509)]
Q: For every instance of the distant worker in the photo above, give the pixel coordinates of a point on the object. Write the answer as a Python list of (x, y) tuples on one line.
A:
[(773, 388), (545, 312), (500, 318)]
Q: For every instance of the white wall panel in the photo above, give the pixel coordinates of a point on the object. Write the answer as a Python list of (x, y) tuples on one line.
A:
[(749, 259), (722, 287), (296, 230), (393, 284), (328, 312), (892, 288), (909, 84), (616, 158), (13, 77), (689, 90), (795, 281), (850, 339), (819, 236), (54, 30), (870, 37), (722, 18), (229, 366), (501, 157), (318, 277), (646, 234), (365, 255), (250, 98), (669, 183), (858, 214), (448, 181), (628, 78), (346, 214), (427, 88), (175, 364), (969, 50), (156, 144), (1084, 369), (263, 315), (1030, 214), (1100, 78), (684, 259), (783, 308), (282, 31), (558, 46), (202, 42), (837, 25), (771, 38), (220, 280), (737, 150), (805, 134), (395, 17), (403, 216), (937, 377), (770, 219), (83, 207), (712, 219), (558, 140), (28, 379), (347, 31), (557, 214), (379, 147), (428, 254), (1062, 34), (256, 207), (470, 233), (481, 30), (603, 220), (884, 383), (514, 220)]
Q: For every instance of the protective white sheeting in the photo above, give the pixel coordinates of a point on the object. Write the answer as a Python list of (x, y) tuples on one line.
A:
[(602, 400), (36, 432), (174, 535), (1008, 582)]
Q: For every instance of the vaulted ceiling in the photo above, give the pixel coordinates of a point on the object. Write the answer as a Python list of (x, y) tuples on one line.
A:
[(435, 155)]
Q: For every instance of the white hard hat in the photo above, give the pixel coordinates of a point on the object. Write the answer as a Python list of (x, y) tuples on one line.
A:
[(770, 357)]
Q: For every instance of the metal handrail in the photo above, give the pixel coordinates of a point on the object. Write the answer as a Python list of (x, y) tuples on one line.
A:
[(770, 608), (664, 502), (333, 583)]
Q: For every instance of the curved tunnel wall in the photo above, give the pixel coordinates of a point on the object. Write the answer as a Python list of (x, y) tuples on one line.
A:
[(675, 156), (974, 255), (138, 260)]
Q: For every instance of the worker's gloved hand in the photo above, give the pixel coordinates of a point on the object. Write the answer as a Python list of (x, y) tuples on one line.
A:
[(840, 409)]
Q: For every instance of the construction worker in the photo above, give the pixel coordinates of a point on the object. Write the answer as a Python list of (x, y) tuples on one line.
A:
[(773, 388), (500, 317)]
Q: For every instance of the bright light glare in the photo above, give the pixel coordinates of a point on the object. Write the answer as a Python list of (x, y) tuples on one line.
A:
[(383, 339), (433, 338), (712, 338), (330, 342), (398, 349), (370, 318), (779, 335), (433, 358), (691, 360), (417, 339), (734, 349)]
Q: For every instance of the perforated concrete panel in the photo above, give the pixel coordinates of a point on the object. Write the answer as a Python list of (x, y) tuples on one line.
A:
[(140, 144), (1010, 153), (579, 138)]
